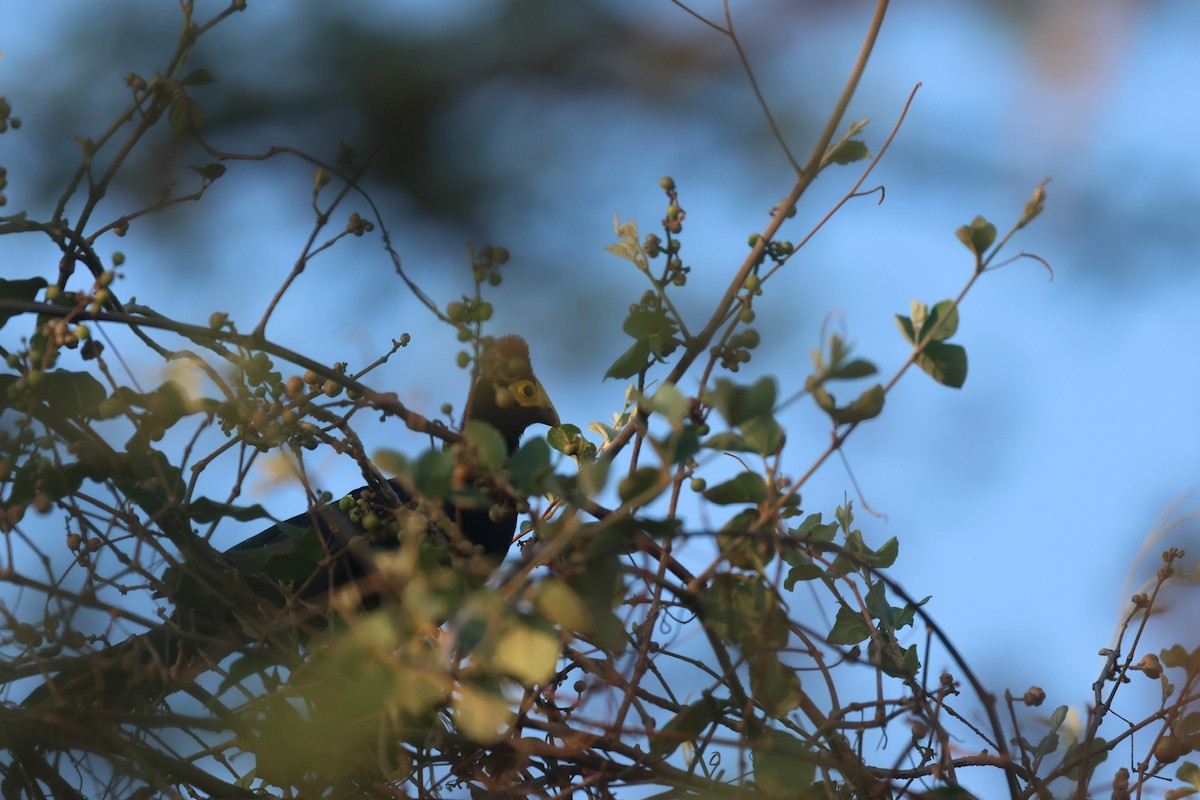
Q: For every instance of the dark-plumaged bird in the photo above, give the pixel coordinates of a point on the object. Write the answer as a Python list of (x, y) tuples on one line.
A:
[(506, 394)]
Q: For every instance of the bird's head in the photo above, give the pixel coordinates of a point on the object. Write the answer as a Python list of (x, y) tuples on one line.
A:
[(507, 394)]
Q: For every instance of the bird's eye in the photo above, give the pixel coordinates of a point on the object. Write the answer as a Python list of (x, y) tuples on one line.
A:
[(525, 390)]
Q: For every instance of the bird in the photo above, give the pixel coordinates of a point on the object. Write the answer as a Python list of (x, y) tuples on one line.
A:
[(505, 394)]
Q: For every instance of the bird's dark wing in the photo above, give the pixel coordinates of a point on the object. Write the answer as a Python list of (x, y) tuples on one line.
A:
[(346, 547)]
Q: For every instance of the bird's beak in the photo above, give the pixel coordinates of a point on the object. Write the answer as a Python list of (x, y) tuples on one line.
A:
[(548, 413)]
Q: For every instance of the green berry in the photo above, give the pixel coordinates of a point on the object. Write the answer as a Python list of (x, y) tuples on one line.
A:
[(752, 283), (699, 484)]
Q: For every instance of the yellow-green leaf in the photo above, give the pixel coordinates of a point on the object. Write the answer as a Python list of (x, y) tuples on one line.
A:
[(527, 654)]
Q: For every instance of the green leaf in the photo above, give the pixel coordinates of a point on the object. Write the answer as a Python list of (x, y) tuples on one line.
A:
[(1047, 745), (738, 404), (670, 402), (149, 480), (945, 363), (560, 604), (686, 726), (204, 510), (593, 476), (198, 77), (642, 481), (867, 405), (644, 324), (530, 467), (978, 236), (857, 368), (846, 149), (527, 653), (678, 446), (746, 487), (19, 290), (432, 473), (935, 327), (775, 685), (289, 560), (209, 172), (75, 394), (185, 115), (1179, 658), (743, 610), (762, 434), (803, 569), (486, 443), (782, 764), (1189, 773), (813, 528), (630, 363), (906, 328), (849, 628), (727, 441), (481, 713), (1097, 750), (392, 462), (597, 582), (847, 152)]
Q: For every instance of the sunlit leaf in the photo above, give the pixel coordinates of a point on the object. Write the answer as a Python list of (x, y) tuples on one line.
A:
[(527, 653), (481, 714)]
